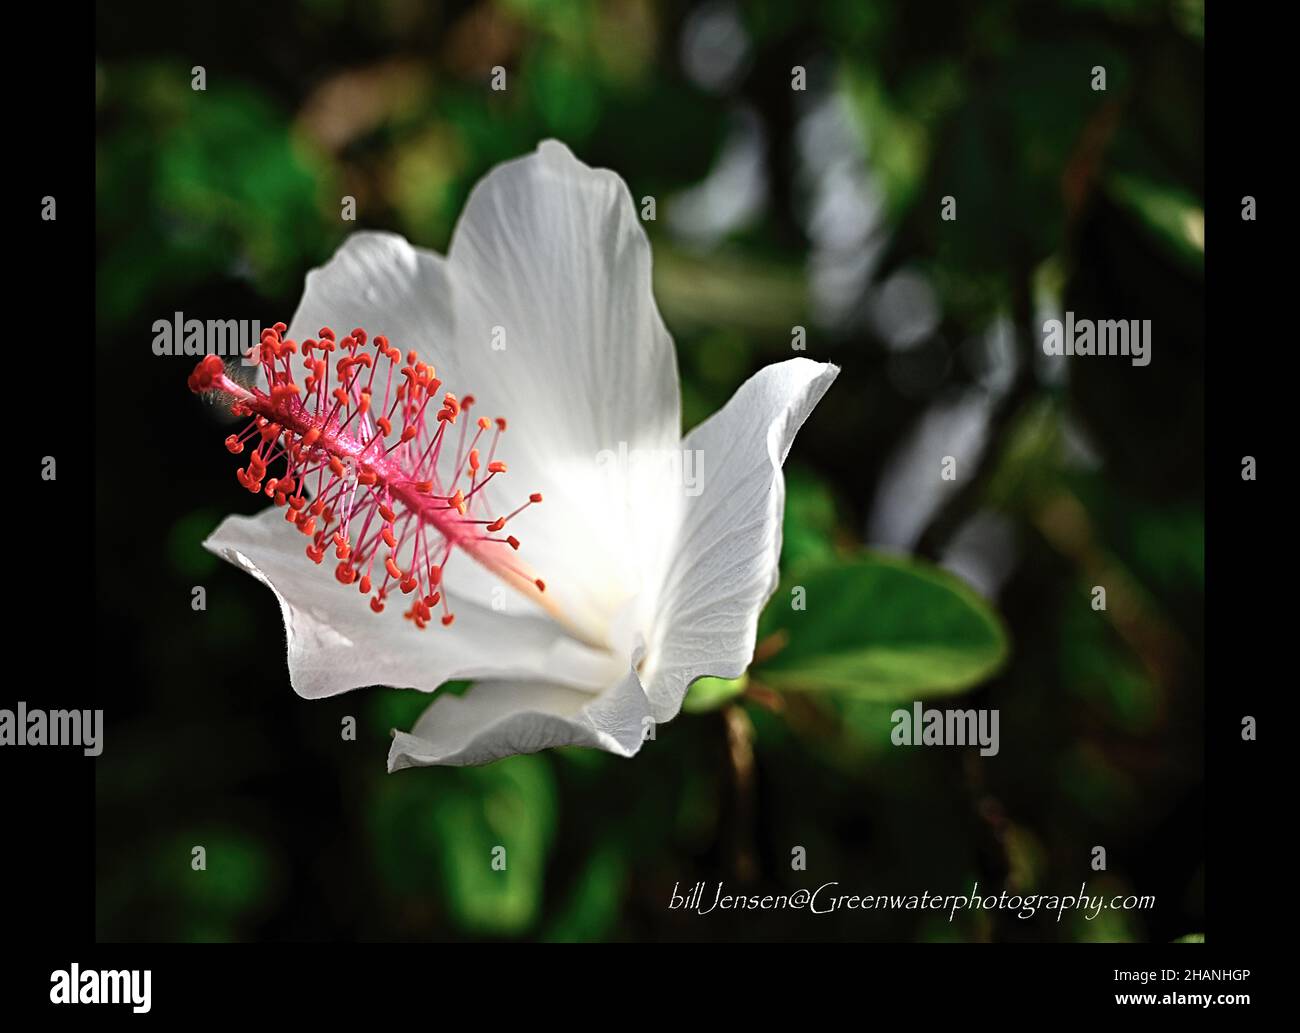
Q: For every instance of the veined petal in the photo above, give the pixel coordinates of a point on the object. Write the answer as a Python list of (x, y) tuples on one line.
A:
[(496, 719), (725, 563), (544, 311), (335, 643)]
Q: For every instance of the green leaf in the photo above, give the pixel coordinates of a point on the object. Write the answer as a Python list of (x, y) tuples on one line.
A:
[(707, 694), (481, 835), (880, 628), (808, 530), (1170, 213), (592, 910)]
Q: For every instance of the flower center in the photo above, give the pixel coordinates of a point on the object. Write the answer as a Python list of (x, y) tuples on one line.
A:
[(357, 438)]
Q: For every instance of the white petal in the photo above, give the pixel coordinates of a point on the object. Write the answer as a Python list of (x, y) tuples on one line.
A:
[(496, 719), (724, 567), (336, 643), (550, 253)]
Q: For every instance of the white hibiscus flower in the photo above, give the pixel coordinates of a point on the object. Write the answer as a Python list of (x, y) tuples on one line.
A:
[(630, 581)]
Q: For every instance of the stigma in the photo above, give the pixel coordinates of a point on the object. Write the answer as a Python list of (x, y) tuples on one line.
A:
[(380, 470)]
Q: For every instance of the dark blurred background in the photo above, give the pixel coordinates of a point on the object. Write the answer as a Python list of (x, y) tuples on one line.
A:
[(775, 208)]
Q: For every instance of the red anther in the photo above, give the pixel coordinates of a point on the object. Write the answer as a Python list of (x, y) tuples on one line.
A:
[(435, 574), (208, 370), (484, 423), (376, 604), (234, 445), (308, 526), (389, 540), (497, 524), (432, 600), (363, 406), (368, 477), (467, 401), (385, 427), (336, 466), (458, 502), (424, 487), (315, 554), (345, 574), (496, 466), (541, 585), (407, 434), (512, 541), (279, 328), (501, 423), (408, 584), (535, 497), (298, 501), (411, 358), (317, 507), (325, 333), (473, 459), (387, 513), (449, 401), (447, 618), (365, 584), (394, 571), (359, 336)]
